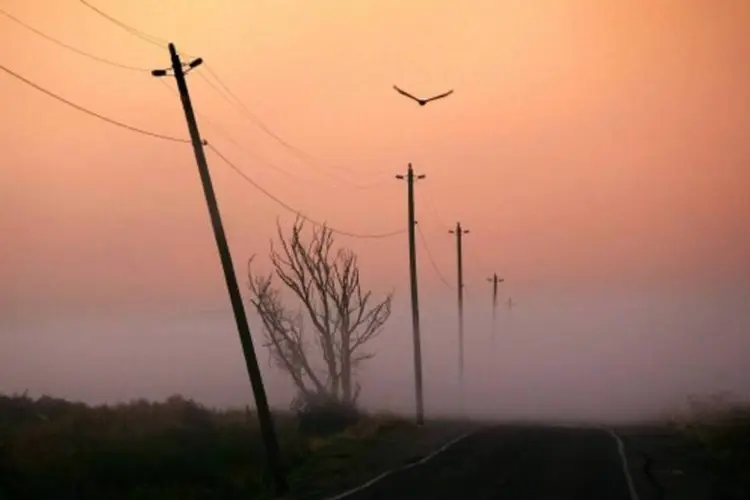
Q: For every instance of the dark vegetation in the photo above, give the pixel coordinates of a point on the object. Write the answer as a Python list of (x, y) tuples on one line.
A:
[(318, 320), (722, 427), (54, 449)]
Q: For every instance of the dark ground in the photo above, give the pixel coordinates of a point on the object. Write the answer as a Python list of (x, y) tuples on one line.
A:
[(540, 463), (58, 450)]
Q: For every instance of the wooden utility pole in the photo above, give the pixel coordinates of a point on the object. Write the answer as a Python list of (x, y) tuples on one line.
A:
[(459, 232), (410, 178), (251, 361), (494, 280)]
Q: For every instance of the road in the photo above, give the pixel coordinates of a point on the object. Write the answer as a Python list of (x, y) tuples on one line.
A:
[(513, 464)]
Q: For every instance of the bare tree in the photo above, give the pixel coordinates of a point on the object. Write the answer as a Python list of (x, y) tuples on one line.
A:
[(321, 342)]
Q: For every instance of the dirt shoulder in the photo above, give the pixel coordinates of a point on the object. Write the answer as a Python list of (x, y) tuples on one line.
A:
[(349, 459), (667, 463)]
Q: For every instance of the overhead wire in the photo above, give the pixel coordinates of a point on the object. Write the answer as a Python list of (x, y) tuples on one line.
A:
[(234, 100), (293, 210), (221, 131), (70, 47), (160, 42), (431, 259), (140, 69), (135, 129), (255, 156), (89, 112), (210, 146), (433, 208), (154, 40)]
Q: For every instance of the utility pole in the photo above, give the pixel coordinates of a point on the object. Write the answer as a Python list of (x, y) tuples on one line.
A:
[(494, 280), (410, 178), (459, 232), (251, 361)]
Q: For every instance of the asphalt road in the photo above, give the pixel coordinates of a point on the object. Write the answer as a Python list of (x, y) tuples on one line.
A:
[(513, 464)]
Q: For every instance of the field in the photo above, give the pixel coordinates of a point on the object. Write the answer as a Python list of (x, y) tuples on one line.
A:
[(55, 449), (722, 428), (701, 453), (51, 448)]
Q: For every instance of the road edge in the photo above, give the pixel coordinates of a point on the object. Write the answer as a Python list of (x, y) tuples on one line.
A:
[(385, 474), (625, 467)]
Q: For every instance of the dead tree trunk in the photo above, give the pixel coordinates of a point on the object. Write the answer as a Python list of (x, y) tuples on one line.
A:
[(325, 284)]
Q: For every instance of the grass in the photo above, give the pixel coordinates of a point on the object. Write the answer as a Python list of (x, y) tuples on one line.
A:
[(51, 448), (55, 449), (722, 428)]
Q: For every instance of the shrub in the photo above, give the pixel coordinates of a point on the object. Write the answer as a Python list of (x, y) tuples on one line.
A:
[(322, 415), (50, 448)]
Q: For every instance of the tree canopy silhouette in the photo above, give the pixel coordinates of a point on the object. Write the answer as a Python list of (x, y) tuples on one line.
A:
[(320, 340)]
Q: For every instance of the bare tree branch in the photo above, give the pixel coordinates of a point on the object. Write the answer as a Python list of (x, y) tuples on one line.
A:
[(326, 285)]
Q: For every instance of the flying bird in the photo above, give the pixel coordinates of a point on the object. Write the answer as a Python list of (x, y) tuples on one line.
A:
[(422, 102)]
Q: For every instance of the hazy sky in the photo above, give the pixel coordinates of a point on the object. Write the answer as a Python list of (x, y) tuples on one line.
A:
[(590, 145)]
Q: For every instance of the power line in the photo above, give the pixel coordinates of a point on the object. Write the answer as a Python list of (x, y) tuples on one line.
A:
[(292, 209), (433, 208), (154, 40), (229, 138), (233, 100), (257, 121), (70, 47), (257, 158), (432, 261), (91, 113)]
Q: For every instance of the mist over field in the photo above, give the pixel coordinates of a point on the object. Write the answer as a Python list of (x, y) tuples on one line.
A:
[(597, 152), (557, 356), (589, 161)]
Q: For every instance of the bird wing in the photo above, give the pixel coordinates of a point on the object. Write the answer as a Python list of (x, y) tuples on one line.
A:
[(403, 92), (445, 94)]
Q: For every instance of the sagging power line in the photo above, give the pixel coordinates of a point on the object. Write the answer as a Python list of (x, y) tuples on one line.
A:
[(228, 137), (116, 64), (87, 111), (153, 40), (157, 135), (432, 206), (72, 48), (435, 267), (293, 210), (237, 102), (226, 94)]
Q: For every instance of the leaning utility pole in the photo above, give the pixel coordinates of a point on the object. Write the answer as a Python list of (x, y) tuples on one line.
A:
[(410, 178), (459, 232), (494, 280), (251, 360)]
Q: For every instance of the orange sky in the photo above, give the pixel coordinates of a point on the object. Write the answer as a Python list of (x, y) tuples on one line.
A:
[(587, 142)]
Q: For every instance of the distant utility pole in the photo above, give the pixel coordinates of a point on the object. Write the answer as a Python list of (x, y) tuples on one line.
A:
[(494, 280), (410, 178), (459, 232), (251, 360)]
